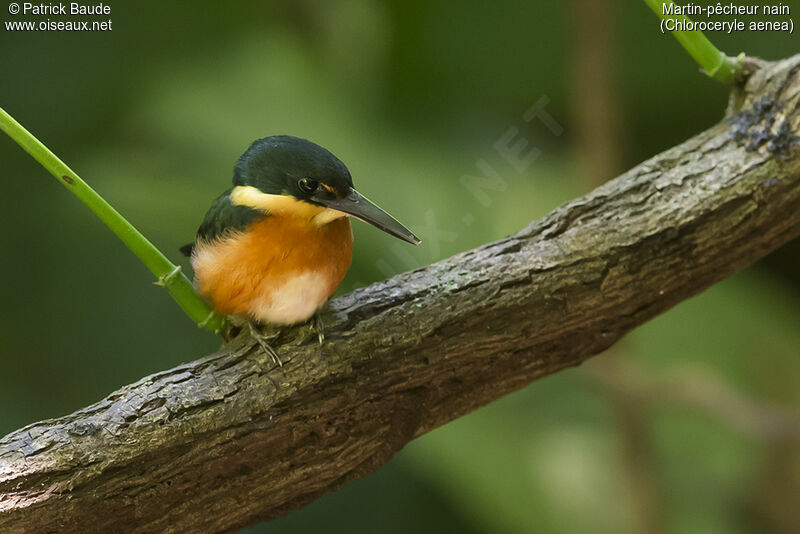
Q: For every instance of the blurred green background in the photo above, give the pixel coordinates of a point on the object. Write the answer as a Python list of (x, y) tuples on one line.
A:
[(690, 424)]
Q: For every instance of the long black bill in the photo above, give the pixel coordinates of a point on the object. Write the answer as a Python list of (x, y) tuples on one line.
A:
[(358, 206)]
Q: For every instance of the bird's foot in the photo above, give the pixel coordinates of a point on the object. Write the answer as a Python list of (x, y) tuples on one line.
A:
[(318, 326), (262, 340)]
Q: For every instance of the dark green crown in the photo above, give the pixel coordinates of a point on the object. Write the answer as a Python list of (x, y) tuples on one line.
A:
[(282, 164)]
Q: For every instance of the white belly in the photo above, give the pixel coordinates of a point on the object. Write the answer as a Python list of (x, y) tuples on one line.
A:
[(295, 301)]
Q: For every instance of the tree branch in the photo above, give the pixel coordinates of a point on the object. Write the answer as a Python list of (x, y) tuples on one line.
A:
[(230, 439)]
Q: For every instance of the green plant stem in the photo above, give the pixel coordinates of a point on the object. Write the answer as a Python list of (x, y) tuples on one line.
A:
[(715, 63), (169, 275)]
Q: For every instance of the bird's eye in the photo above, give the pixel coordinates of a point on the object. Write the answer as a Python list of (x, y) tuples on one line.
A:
[(307, 185)]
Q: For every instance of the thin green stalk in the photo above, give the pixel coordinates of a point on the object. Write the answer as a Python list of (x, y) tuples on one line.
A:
[(715, 63), (169, 275)]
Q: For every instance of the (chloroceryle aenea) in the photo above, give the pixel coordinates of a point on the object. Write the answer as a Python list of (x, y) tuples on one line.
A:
[(275, 246)]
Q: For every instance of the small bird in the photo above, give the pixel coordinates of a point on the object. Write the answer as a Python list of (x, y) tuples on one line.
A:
[(274, 247)]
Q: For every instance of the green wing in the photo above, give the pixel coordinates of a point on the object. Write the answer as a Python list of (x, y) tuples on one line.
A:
[(222, 217)]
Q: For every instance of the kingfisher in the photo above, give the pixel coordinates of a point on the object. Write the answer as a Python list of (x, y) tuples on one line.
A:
[(274, 248)]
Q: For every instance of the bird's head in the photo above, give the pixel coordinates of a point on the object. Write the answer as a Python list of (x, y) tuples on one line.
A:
[(288, 176)]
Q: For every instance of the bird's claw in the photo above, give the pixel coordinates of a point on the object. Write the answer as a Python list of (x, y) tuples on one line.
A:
[(262, 341), (319, 327)]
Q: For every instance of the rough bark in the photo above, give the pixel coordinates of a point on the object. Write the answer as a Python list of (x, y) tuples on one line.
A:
[(231, 439)]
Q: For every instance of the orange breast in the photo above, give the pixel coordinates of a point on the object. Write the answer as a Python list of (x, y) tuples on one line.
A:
[(280, 270)]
